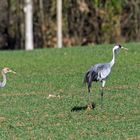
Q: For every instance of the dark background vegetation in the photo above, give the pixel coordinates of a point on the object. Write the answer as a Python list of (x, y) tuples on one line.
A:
[(84, 22)]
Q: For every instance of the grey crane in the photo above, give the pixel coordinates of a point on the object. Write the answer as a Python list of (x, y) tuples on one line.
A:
[(100, 72), (4, 71)]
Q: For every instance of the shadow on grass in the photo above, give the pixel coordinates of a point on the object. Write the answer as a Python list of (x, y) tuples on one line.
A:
[(81, 108)]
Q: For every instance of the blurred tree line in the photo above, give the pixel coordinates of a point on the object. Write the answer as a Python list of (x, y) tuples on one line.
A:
[(84, 22)]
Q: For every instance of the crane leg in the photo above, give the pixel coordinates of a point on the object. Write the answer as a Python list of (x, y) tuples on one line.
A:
[(89, 94), (89, 106), (102, 93)]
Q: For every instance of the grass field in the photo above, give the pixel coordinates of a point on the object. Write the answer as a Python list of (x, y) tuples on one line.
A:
[(28, 112)]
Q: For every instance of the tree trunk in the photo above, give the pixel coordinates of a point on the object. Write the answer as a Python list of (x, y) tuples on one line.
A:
[(43, 26), (28, 25), (59, 23)]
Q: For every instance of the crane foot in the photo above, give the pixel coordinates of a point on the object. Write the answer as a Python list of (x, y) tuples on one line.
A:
[(89, 107)]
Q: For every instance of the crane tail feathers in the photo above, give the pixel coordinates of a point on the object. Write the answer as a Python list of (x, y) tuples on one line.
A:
[(90, 76), (86, 77)]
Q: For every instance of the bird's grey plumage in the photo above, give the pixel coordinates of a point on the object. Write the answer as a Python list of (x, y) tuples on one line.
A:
[(97, 72), (101, 71)]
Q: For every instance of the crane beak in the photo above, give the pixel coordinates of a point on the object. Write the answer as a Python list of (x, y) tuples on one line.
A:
[(124, 48), (13, 71)]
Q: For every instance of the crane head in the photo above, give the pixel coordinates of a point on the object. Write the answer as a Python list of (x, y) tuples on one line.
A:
[(117, 48), (8, 70)]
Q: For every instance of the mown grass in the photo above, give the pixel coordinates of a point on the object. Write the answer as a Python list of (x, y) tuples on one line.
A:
[(26, 112)]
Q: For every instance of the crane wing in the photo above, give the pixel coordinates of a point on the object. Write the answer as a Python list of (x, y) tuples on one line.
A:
[(97, 72), (103, 70)]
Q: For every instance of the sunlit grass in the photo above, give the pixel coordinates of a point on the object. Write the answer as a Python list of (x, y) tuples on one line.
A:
[(27, 112)]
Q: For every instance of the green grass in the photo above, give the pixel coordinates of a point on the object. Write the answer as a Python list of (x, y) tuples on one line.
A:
[(26, 112)]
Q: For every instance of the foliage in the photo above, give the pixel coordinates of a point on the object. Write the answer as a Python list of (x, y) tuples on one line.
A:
[(84, 22), (26, 112)]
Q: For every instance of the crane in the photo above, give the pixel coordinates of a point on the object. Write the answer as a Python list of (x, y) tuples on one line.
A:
[(99, 73), (4, 71)]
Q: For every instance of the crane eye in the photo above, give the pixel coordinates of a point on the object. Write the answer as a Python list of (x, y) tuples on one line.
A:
[(8, 69)]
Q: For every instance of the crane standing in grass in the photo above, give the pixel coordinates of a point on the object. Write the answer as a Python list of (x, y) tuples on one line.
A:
[(100, 72), (4, 71)]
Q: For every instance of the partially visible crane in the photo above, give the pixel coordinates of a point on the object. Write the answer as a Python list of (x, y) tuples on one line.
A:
[(4, 71), (100, 72)]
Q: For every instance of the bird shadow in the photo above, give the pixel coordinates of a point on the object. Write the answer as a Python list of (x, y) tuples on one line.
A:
[(82, 108)]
